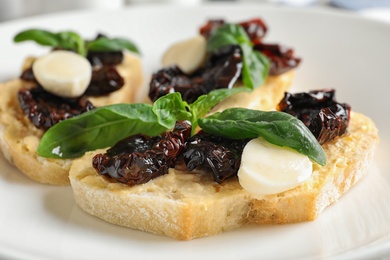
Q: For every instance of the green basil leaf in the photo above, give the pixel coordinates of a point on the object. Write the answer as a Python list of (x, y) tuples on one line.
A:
[(41, 37), (98, 128), (275, 127), (171, 108), (204, 103), (72, 41), (255, 67), (112, 44), (228, 34)]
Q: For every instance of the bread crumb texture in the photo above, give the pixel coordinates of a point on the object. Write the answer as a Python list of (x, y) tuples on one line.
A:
[(186, 205), (19, 138)]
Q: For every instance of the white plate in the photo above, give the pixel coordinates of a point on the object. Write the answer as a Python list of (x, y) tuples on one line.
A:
[(339, 51)]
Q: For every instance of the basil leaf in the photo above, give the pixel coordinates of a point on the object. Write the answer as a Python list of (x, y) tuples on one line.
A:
[(41, 37), (204, 103), (255, 64), (255, 68), (72, 41), (114, 44), (275, 127), (171, 108), (98, 128), (228, 34)]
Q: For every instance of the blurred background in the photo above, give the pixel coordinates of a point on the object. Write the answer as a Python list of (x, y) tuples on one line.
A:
[(15, 9)]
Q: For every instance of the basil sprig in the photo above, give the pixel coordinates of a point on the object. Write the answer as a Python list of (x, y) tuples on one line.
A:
[(255, 64), (111, 44), (69, 40), (275, 127), (104, 126)]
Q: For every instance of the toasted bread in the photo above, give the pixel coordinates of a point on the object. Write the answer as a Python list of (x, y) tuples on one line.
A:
[(186, 205), (19, 138)]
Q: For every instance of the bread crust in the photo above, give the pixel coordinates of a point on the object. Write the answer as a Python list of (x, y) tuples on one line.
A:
[(185, 206), (19, 138)]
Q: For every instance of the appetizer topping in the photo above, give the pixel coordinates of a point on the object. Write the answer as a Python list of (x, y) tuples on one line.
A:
[(282, 58), (63, 73), (45, 109), (140, 166), (103, 53), (68, 40), (107, 58), (278, 128), (222, 70), (188, 55), (270, 169), (99, 58), (319, 111), (28, 75), (105, 80), (235, 55), (255, 28), (209, 27), (218, 155), (147, 153)]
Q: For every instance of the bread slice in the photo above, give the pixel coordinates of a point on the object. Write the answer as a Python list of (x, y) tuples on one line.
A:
[(19, 138), (186, 205)]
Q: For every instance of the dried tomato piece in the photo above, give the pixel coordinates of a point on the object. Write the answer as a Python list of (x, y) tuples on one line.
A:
[(131, 168), (330, 122), (319, 111), (209, 27), (222, 70), (209, 152), (104, 80), (138, 165), (255, 28), (282, 58), (105, 58), (28, 75), (168, 80), (45, 109), (133, 144)]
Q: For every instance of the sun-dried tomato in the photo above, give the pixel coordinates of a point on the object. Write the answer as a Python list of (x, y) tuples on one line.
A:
[(319, 111), (209, 27), (330, 122), (105, 58), (133, 144), (222, 70), (104, 80), (255, 28), (45, 110), (28, 75), (282, 58), (139, 165), (218, 155)]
